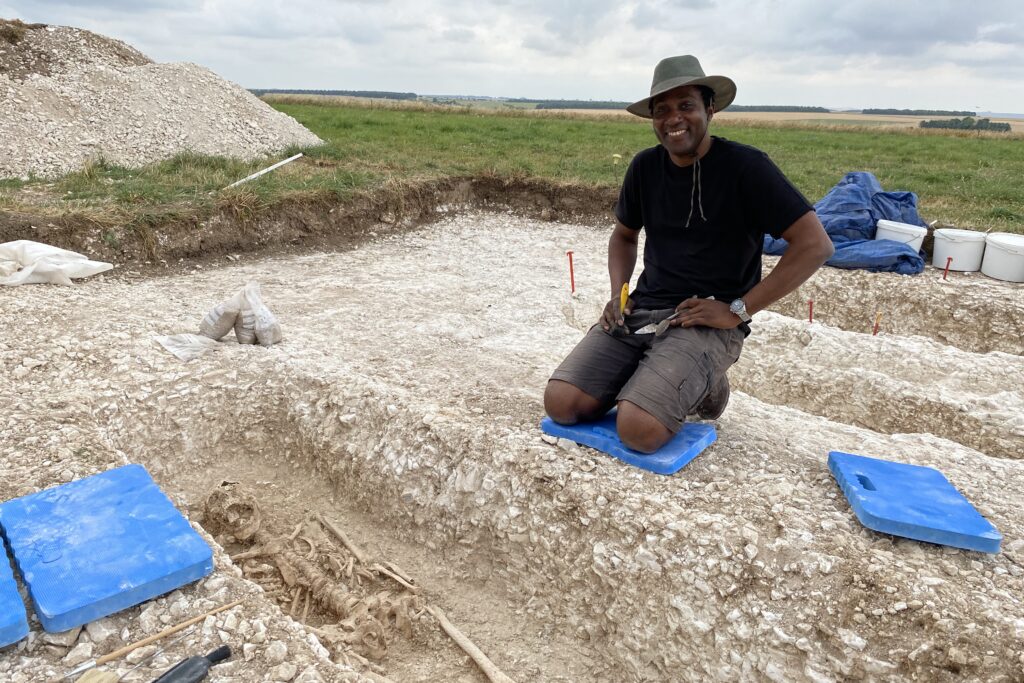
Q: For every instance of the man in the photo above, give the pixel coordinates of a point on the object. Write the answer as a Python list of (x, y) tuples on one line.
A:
[(706, 204)]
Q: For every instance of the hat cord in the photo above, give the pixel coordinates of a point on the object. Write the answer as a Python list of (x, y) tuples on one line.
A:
[(698, 191)]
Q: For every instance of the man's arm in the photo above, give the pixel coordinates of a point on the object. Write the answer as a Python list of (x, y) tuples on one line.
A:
[(809, 247), (622, 246)]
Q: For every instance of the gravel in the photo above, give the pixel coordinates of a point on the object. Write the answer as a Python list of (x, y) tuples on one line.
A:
[(748, 565), (69, 96)]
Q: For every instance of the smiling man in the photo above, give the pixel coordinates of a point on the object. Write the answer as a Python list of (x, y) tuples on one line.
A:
[(706, 204)]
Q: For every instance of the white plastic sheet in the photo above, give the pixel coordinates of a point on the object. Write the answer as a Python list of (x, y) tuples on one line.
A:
[(24, 262), (186, 346)]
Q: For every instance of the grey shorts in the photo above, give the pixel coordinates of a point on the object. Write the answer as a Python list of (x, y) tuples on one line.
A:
[(667, 376)]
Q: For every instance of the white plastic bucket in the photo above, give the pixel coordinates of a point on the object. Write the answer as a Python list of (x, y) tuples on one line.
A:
[(905, 233), (965, 247), (1004, 257)]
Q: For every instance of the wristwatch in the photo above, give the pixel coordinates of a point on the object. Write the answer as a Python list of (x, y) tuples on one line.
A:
[(739, 307)]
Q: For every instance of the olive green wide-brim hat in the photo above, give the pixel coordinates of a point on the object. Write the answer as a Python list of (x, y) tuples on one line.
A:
[(675, 72)]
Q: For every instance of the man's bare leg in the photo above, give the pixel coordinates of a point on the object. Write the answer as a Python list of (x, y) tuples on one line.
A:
[(640, 430), (567, 404)]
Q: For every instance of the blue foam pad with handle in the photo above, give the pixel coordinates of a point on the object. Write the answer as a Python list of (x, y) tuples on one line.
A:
[(99, 545), (911, 501), (13, 620), (601, 435)]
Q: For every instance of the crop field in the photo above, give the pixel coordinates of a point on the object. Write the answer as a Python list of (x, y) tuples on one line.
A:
[(839, 118), (970, 180)]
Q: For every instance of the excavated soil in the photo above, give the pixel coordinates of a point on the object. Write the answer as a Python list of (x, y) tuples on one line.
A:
[(69, 97), (403, 405)]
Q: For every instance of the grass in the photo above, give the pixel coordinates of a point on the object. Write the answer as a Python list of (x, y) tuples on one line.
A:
[(12, 31), (972, 180), (968, 180), (434, 143)]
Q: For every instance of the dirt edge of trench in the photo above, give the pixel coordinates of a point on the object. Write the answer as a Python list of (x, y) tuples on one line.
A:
[(301, 223)]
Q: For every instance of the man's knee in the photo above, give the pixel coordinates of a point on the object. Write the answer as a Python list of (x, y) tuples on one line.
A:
[(640, 430), (567, 404)]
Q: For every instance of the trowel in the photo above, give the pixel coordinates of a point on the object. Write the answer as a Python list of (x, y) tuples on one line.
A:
[(622, 330)]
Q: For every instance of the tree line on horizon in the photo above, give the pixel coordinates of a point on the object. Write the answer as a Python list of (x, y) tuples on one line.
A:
[(604, 104), (918, 112), (610, 104), (967, 123), (377, 94)]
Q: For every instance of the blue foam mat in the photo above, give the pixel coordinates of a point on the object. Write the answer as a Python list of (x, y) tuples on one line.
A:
[(99, 545), (13, 620), (911, 501), (601, 434)]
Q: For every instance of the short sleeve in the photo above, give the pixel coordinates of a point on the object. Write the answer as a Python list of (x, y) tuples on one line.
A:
[(629, 208), (772, 202)]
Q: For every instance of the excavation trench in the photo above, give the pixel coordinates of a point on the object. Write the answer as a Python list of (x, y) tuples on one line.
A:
[(891, 384), (967, 310), (403, 404), (633, 576)]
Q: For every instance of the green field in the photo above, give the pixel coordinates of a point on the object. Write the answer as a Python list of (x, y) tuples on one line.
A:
[(970, 180)]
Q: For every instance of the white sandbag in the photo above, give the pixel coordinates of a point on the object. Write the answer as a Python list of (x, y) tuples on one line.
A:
[(266, 327), (186, 346), (245, 323), (221, 318), (24, 262), (247, 314)]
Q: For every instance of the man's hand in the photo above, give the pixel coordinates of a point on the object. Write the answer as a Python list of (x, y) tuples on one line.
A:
[(612, 316), (706, 312)]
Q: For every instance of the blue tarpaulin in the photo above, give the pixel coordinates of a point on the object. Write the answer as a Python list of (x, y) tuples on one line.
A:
[(850, 212)]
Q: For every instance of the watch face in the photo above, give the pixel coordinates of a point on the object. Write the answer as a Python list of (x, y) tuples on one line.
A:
[(737, 306)]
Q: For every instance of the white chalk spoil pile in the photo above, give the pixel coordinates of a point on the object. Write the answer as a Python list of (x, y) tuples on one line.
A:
[(69, 96)]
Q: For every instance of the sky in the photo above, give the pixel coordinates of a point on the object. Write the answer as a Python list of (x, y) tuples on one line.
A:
[(907, 54)]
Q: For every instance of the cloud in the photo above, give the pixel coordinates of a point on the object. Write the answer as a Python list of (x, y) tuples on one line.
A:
[(458, 35), (658, 14), (864, 53), (131, 6)]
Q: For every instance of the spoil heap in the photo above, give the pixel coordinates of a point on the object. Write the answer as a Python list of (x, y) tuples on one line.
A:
[(69, 96)]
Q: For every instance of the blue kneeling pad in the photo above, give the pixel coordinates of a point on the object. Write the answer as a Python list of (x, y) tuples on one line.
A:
[(601, 435), (911, 501), (99, 545), (13, 620)]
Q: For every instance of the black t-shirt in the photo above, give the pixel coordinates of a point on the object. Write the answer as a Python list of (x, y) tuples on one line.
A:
[(744, 195)]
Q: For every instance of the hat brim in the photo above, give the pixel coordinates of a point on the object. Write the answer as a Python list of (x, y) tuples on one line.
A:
[(723, 87)]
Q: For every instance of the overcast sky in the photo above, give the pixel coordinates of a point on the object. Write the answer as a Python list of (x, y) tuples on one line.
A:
[(928, 54)]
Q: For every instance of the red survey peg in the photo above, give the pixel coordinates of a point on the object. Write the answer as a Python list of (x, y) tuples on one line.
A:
[(949, 260), (572, 277), (810, 310)]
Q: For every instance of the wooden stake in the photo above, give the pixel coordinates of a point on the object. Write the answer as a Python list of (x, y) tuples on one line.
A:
[(878, 321), (487, 666), (360, 556)]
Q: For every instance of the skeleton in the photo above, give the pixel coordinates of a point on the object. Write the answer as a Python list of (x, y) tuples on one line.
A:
[(363, 615)]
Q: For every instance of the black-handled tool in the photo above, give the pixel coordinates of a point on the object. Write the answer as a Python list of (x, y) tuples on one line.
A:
[(194, 669)]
